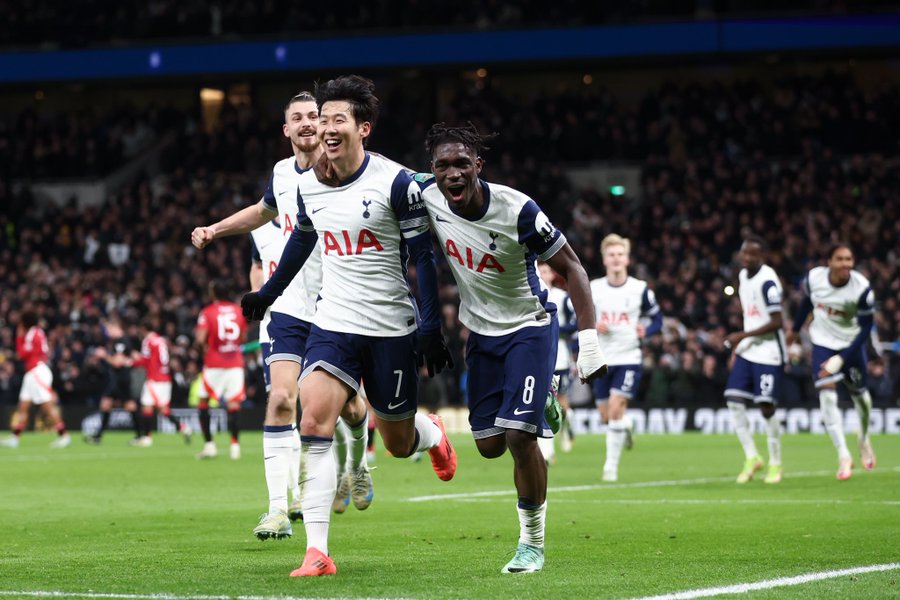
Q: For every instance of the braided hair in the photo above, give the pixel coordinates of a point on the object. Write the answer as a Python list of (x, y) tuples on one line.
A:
[(467, 135)]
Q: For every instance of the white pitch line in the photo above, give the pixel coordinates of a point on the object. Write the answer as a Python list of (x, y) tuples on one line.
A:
[(742, 588), (726, 501), (611, 486)]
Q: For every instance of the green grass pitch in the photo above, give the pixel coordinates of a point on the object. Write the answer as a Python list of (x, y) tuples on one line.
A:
[(115, 521)]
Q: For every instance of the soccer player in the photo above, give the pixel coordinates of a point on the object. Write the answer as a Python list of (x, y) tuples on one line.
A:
[(221, 328), (559, 298), (620, 302), (842, 304), (37, 385), (758, 362), (157, 391), (492, 236), (368, 215), (288, 324), (118, 386)]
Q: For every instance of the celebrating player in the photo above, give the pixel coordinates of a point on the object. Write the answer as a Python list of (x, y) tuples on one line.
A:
[(758, 364), (368, 213), (37, 385), (221, 329), (842, 304), (492, 236), (620, 301)]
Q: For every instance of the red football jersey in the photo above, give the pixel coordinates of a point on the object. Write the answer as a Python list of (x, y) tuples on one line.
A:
[(225, 330), (33, 348), (155, 358)]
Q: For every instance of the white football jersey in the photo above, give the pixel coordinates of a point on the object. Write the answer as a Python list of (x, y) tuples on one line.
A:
[(760, 297), (621, 308), (560, 298), (835, 309), (299, 299), (493, 257), (268, 243), (363, 225)]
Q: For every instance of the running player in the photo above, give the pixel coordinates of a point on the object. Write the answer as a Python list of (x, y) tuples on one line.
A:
[(221, 329), (843, 305), (369, 216), (288, 325), (620, 302), (492, 236), (758, 362), (37, 385)]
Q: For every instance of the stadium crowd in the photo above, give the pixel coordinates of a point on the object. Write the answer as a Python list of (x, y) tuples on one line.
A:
[(802, 163)]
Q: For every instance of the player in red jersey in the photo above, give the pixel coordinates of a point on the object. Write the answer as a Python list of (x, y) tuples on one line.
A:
[(37, 385), (221, 329), (157, 390)]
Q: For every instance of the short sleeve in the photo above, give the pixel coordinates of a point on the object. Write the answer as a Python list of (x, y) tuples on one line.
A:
[(537, 232)]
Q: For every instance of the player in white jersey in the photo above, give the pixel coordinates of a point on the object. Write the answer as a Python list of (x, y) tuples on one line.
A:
[(758, 360), (843, 305), (560, 383), (368, 216), (620, 302), (289, 325), (492, 236)]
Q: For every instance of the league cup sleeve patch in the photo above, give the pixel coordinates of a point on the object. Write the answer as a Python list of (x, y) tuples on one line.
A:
[(544, 227)]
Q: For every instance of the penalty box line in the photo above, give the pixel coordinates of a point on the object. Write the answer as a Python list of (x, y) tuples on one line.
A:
[(742, 588)]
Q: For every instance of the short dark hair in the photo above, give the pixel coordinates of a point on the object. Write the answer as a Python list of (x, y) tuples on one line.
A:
[(758, 240), (29, 318), (837, 246), (358, 91), (302, 96), (467, 135), (218, 289)]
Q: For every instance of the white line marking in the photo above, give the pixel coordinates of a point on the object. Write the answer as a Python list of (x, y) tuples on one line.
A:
[(617, 486), (742, 588), (824, 501)]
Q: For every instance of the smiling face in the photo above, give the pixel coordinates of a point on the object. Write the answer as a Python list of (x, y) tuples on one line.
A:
[(301, 120), (342, 137), (616, 259), (456, 168), (840, 263)]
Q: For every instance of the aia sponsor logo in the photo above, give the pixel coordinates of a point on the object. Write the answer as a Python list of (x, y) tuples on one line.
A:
[(470, 259), (342, 243)]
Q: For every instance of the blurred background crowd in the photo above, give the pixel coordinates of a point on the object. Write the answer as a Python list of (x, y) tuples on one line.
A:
[(801, 157)]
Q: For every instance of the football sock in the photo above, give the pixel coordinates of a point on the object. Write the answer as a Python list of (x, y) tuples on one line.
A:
[(318, 472), (615, 440), (136, 423), (428, 434), (742, 427), (146, 422), (61, 428), (863, 403), (531, 522), (104, 422), (204, 423), (233, 425), (831, 417), (278, 443), (773, 431), (358, 440), (341, 436), (294, 464)]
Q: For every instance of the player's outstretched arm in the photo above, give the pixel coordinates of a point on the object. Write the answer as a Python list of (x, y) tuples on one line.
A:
[(243, 221), (591, 363), (298, 248), (431, 351)]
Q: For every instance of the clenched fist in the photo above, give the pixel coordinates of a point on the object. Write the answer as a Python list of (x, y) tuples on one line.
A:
[(202, 236)]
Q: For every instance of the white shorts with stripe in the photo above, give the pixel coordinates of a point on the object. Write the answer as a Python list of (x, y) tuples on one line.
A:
[(37, 385), (224, 385), (156, 393)]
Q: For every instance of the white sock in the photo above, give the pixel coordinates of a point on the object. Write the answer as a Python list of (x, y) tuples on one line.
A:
[(294, 466), (277, 447), (773, 431), (742, 427), (615, 439), (359, 439), (863, 403), (831, 417), (531, 524), (429, 433), (319, 475), (547, 448), (341, 437)]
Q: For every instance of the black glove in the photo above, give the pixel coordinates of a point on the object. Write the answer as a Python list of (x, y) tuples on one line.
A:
[(254, 306), (432, 353)]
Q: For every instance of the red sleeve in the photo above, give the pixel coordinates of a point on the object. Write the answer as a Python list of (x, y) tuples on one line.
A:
[(20, 346)]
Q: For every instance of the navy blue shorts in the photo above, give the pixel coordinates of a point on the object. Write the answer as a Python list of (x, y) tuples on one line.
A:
[(621, 379), (289, 337), (754, 381), (853, 374), (386, 364), (509, 379), (266, 352)]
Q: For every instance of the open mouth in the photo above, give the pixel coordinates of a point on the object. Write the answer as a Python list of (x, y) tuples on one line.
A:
[(456, 191), (333, 143)]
